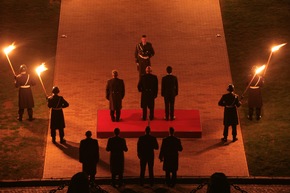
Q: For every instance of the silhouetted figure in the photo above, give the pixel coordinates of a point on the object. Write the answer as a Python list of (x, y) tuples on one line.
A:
[(230, 102), (218, 184), (89, 155), (255, 101), (115, 92), (57, 103), (145, 150), (143, 52), (79, 183), (117, 145), (148, 86), (170, 147), (169, 90), (24, 81)]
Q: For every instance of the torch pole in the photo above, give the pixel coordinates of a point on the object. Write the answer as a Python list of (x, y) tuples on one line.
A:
[(42, 86), (10, 64), (268, 62), (248, 86)]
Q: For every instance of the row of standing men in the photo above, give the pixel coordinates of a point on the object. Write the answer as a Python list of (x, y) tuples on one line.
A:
[(171, 145), (148, 86)]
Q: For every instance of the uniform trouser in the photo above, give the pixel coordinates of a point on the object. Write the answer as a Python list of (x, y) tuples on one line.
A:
[(171, 180), (29, 111), (118, 113), (142, 66), (120, 175), (53, 133), (251, 112), (169, 107), (234, 131), (151, 115), (143, 163)]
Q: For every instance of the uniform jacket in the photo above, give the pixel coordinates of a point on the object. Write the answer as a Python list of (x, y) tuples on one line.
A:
[(148, 86), (57, 103), (143, 51), (115, 92), (117, 145), (169, 153), (230, 102), (255, 93), (169, 86), (89, 151), (24, 82), (145, 146)]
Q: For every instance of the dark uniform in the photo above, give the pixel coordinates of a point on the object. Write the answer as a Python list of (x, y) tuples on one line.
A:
[(148, 86), (89, 155), (230, 102), (170, 147), (169, 90), (24, 81), (117, 145), (143, 53), (255, 97), (145, 150), (57, 103), (115, 92)]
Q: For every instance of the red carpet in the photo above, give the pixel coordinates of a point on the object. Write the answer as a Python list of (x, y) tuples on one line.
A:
[(186, 124)]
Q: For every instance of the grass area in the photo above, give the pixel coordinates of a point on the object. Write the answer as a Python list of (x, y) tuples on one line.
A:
[(252, 28), (32, 25)]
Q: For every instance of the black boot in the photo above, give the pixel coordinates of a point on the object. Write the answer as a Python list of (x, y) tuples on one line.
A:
[(30, 114), (19, 118)]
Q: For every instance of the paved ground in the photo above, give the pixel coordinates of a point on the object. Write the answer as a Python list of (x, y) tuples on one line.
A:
[(101, 36), (157, 189)]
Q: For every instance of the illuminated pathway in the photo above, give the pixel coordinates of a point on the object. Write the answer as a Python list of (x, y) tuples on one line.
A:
[(101, 36)]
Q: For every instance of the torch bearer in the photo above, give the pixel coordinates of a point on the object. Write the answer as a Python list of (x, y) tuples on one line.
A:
[(274, 49), (7, 50), (258, 70), (39, 70)]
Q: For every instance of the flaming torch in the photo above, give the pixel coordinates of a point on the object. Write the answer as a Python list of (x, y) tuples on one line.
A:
[(39, 70), (274, 49), (258, 70), (7, 50)]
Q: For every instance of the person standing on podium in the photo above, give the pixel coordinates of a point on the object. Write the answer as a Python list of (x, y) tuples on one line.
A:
[(148, 86), (115, 92), (169, 90)]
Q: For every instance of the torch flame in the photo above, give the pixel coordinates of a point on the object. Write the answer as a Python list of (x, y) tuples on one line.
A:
[(260, 69), (275, 48), (8, 49), (40, 69)]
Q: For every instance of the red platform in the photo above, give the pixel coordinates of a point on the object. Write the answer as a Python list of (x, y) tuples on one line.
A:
[(186, 125)]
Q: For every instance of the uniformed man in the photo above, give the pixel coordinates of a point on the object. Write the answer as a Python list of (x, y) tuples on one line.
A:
[(170, 147), (24, 81), (143, 52), (148, 86), (57, 103), (230, 102), (115, 92), (169, 90), (117, 146), (255, 97), (89, 155)]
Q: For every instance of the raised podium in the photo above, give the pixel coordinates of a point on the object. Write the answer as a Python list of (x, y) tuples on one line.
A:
[(187, 124)]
